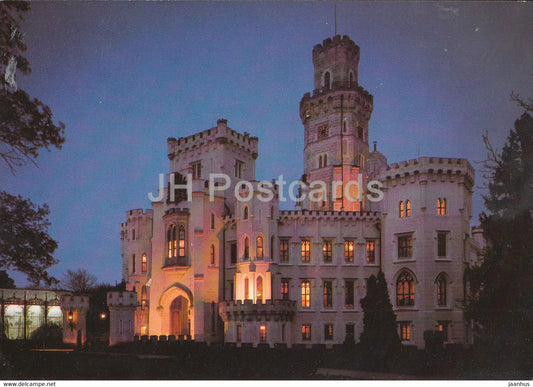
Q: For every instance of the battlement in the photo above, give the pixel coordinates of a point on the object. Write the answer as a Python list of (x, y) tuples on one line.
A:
[(74, 302), (124, 299), (430, 165), (137, 213), (294, 215), (337, 40), (220, 133), (357, 96), (272, 309)]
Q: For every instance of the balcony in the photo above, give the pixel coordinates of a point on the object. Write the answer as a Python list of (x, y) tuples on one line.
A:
[(174, 262), (274, 310)]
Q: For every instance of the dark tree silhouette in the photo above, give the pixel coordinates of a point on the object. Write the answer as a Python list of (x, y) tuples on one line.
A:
[(6, 282), (78, 281)]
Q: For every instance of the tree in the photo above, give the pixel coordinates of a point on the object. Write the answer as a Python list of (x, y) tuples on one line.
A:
[(6, 282), (501, 287), (380, 335), (79, 281), (26, 127)]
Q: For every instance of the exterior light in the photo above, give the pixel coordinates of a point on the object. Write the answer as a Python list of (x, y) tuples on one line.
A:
[(102, 316), (70, 316)]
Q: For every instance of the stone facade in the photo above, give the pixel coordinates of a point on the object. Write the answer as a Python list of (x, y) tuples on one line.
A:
[(223, 269)]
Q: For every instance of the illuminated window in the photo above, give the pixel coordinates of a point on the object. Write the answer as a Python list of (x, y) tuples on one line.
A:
[(239, 333), (441, 244), (197, 170), (306, 294), (443, 327), (171, 241), (441, 290), (401, 209), (212, 254), (327, 250), (246, 288), (306, 332), (328, 332), (407, 208), (144, 298), (348, 251), (405, 290), (259, 289), (133, 263), (306, 252), (405, 246), (327, 80), (284, 250), (328, 294), (370, 251), (245, 216), (405, 331), (181, 242), (262, 333), (238, 168), (259, 247), (144, 263), (441, 206), (246, 248), (349, 296), (212, 221), (285, 289)]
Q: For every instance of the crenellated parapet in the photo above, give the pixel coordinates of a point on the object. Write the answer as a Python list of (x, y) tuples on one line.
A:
[(329, 43), (271, 310), (121, 299), (219, 134), (324, 101), (312, 215)]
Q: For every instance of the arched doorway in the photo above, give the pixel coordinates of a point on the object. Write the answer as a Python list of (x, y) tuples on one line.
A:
[(179, 316)]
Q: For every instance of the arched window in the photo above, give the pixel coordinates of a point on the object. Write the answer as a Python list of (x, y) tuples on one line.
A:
[(212, 254), (306, 294), (246, 248), (212, 221), (144, 263), (407, 208), (245, 216), (405, 290), (246, 288), (320, 161), (259, 247), (327, 80), (259, 289), (144, 297), (325, 160), (401, 210), (133, 263), (350, 84), (171, 241), (441, 290), (441, 206), (181, 242)]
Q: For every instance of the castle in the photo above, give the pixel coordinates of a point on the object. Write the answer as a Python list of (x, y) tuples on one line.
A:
[(217, 260)]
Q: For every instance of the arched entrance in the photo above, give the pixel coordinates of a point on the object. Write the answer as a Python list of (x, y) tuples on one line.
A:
[(179, 316)]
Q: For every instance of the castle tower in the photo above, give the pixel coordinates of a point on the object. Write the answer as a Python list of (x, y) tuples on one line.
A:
[(335, 120)]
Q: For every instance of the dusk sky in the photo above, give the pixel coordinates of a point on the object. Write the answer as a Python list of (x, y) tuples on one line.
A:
[(124, 76)]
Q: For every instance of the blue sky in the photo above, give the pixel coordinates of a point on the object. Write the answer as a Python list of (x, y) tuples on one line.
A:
[(124, 76)]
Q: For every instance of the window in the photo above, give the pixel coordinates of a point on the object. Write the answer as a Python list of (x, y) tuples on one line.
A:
[(262, 333), (212, 255), (284, 250), (212, 221), (325, 160), (405, 331), (259, 247), (344, 126), (328, 331), (327, 250), (328, 294), (405, 290), (306, 252), (231, 288), (320, 161), (306, 332), (323, 131), (197, 170), (441, 290), (441, 206), (133, 263), (259, 289), (144, 263), (441, 244), (171, 241), (443, 327), (327, 80), (401, 210), (370, 251), (349, 297), (238, 168), (245, 215), (133, 234), (350, 84), (144, 297), (246, 288), (306, 294), (271, 251), (407, 208), (348, 251), (405, 246), (239, 333), (284, 289), (181, 242), (246, 248), (233, 253)]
